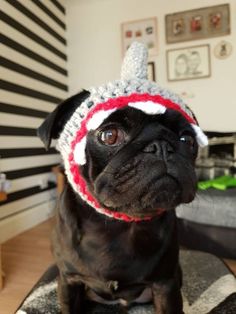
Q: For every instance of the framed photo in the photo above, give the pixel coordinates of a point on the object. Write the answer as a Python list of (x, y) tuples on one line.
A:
[(199, 23), (223, 49), (188, 63), (144, 31), (151, 71)]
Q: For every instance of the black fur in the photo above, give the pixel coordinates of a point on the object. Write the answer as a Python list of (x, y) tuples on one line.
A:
[(151, 169)]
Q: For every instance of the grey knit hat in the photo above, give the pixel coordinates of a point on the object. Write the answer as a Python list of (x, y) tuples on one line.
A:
[(133, 90)]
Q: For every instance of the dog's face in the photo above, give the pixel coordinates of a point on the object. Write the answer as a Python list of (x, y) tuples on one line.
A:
[(137, 163)]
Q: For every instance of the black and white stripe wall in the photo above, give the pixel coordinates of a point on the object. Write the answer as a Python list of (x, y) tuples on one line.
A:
[(33, 81)]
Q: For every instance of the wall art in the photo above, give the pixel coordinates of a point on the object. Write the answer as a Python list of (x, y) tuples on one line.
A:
[(197, 24), (188, 63), (144, 31)]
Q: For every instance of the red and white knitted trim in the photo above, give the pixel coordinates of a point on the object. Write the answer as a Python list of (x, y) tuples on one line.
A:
[(150, 104)]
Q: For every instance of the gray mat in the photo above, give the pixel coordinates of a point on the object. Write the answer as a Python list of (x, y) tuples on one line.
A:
[(208, 287)]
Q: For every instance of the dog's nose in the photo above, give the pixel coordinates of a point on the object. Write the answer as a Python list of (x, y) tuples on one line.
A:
[(158, 148)]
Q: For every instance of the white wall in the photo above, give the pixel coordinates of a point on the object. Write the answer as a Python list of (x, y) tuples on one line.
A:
[(94, 53)]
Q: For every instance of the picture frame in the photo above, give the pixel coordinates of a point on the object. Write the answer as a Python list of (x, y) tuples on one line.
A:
[(144, 30), (188, 63), (196, 24), (151, 71), (223, 50)]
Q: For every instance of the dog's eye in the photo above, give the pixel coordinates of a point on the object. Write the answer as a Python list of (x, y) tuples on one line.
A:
[(112, 136), (188, 139)]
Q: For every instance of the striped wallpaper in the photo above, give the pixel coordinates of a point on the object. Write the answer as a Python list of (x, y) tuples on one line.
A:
[(33, 81)]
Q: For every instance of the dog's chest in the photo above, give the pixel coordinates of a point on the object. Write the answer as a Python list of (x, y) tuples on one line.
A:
[(118, 261), (120, 254)]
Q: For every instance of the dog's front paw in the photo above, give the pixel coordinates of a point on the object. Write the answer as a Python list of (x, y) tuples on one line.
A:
[(167, 298)]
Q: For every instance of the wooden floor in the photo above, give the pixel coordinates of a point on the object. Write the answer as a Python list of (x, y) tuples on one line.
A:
[(231, 265), (25, 258)]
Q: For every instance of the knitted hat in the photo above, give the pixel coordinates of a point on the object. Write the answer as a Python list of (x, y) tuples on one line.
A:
[(133, 90)]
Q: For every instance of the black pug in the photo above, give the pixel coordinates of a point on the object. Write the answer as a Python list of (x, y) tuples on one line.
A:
[(139, 165)]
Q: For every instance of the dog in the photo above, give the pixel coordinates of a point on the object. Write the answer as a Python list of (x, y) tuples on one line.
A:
[(138, 168)]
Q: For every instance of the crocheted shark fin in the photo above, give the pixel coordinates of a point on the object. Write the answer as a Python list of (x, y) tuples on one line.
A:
[(135, 62)]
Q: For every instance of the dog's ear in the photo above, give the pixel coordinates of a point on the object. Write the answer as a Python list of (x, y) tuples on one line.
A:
[(55, 121)]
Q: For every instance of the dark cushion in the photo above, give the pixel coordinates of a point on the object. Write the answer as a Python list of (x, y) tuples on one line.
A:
[(209, 223), (216, 240)]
